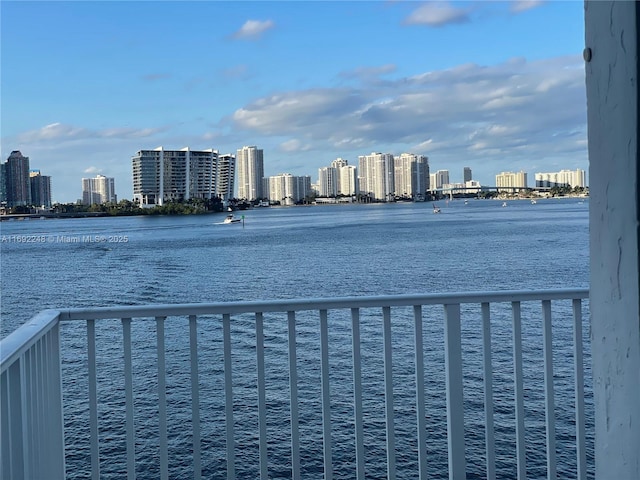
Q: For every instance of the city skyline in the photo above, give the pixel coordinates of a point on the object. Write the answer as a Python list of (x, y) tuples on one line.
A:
[(440, 83)]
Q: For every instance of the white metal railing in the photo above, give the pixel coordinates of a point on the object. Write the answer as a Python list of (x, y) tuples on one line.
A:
[(31, 397)]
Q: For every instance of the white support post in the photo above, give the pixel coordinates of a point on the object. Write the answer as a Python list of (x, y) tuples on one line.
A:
[(293, 396), (518, 384), (228, 393), (455, 395), (489, 431), (195, 397), (613, 108), (388, 393), (357, 392), (326, 395)]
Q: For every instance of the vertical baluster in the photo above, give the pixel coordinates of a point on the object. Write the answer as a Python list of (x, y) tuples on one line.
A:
[(34, 410), (357, 392), (5, 426), (519, 391), (93, 399), (17, 421), (489, 432), (420, 406), (549, 409), (293, 393), (388, 393), (579, 390), (162, 399), (45, 425), (40, 399), (455, 398), (128, 395), (56, 411), (228, 391), (262, 402), (195, 397), (326, 395)]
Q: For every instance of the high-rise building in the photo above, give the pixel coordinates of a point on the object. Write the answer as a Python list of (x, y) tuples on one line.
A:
[(411, 175), (18, 185), (288, 189), (348, 180), (438, 179), (98, 190), (250, 165), (226, 174), (466, 175), (563, 178), (40, 189), (161, 175), (510, 181), (376, 176), (327, 182)]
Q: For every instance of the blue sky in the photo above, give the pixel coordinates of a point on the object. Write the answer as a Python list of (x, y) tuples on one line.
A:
[(496, 86)]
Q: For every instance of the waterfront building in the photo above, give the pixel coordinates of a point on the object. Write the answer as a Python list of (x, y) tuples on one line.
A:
[(225, 176), (376, 176), (328, 181), (98, 190), (16, 177), (510, 181), (40, 189), (563, 178), (411, 176), (161, 175), (438, 180), (250, 164), (288, 189), (348, 180), (466, 175)]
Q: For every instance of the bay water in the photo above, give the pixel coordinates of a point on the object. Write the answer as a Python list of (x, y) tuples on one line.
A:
[(302, 252)]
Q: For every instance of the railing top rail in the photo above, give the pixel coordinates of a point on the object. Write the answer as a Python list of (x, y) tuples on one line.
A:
[(301, 304), (17, 342)]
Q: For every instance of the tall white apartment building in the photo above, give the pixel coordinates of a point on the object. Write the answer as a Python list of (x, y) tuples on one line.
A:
[(563, 178), (348, 180), (250, 168), (161, 175), (288, 189), (225, 176), (438, 180), (327, 181), (98, 190), (376, 176), (411, 175), (511, 180)]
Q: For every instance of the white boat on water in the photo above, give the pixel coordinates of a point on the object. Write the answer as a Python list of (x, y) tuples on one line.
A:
[(533, 202), (436, 209), (504, 204), (231, 219)]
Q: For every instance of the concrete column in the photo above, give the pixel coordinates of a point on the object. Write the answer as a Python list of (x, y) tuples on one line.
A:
[(611, 57)]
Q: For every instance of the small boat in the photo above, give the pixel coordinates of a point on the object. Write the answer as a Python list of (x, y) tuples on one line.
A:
[(504, 204), (436, 209), (231, 219), (533, 202)]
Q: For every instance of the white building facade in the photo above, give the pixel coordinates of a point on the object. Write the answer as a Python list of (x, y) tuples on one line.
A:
[(225, 176), (161, 175), (376, 176), (250, 168), (511, 180), (288, 189), (438, 180), (98, 190), (563, 178), (411, 176)]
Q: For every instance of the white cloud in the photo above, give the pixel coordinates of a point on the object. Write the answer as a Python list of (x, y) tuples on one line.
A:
[(253, 29), (519, 6), (438, 14), (92, 170), (515, 110)]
